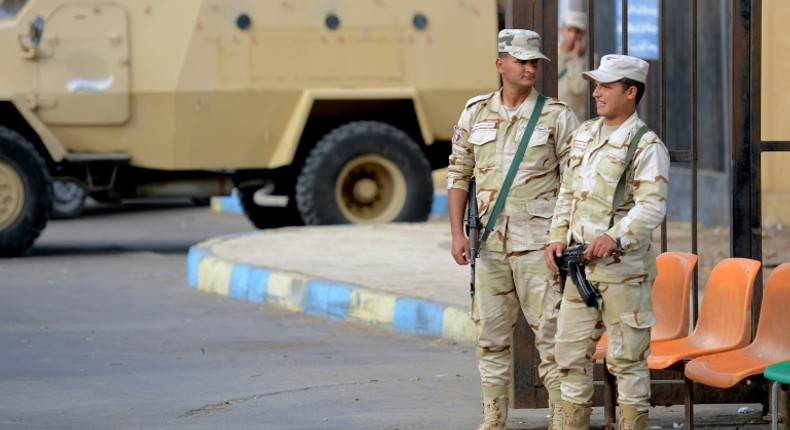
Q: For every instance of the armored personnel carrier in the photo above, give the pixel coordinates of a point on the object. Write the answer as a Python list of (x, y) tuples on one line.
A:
[(317, 112)]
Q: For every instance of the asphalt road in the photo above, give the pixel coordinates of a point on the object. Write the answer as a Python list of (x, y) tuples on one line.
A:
[(98, 330)]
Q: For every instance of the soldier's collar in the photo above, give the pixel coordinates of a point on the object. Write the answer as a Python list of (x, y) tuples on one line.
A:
[(619, 136), (527, 106)]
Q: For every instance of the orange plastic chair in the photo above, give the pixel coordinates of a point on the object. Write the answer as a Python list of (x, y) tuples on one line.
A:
[(771, 343), (725, 316), (670, 293), (724, 322)]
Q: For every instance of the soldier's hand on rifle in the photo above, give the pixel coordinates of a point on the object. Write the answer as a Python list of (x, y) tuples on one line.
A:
[(460, 250), (554, 250), (601, 246)]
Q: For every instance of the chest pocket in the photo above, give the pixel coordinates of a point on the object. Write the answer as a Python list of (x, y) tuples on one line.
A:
[(481, 137), (578, 146), (484, 142), (540, 152), (540, 136), (612, 166)]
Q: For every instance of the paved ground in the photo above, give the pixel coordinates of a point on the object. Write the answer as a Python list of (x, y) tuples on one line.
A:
[(401, 277)]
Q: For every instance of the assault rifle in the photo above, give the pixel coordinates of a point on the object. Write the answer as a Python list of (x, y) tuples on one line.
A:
[(572, 264), (473, 233)]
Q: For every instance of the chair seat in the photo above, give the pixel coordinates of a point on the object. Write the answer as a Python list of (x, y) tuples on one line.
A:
[(779, 372), (726, 369), (670, 294), (603, 344), (600, 348), (665, 354)]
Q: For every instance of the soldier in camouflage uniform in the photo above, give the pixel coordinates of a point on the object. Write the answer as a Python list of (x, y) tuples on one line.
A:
[(511, 275), (584, 215), (572, 61)]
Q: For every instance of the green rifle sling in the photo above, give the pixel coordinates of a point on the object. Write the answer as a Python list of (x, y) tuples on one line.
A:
[(522, 148), (619, 192)]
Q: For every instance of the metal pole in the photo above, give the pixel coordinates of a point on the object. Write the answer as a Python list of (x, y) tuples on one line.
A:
[(695, 279), (662, 94)]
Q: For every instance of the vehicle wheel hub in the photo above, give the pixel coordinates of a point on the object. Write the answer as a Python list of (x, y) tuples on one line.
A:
[(12, 195), (370, 189), (365, 190)]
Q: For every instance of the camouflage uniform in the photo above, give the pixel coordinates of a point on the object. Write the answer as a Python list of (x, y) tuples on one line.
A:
[(511, 274), (571, 87), (583, 213)]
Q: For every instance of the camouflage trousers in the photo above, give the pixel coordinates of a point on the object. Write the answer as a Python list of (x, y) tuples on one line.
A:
[(627, 316), (506, 285)]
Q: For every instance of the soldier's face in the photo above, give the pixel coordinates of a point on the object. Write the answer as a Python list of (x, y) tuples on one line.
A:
[(614, 102), (518, 74), (571, 33)]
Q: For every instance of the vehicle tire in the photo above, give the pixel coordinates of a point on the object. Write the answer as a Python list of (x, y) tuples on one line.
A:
[(68, 199), (201, 201), (264, 217), (365, 172), (25, 193)]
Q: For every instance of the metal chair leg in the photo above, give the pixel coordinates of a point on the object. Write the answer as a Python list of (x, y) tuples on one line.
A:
[(609, 398), (689, 402), (775, 405)]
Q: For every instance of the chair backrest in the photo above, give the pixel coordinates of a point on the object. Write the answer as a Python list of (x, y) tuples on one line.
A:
[(725, 315), (774, 325), (670, 294)]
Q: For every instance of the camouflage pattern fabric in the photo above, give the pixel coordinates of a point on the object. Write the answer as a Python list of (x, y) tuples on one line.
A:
[(510, 277), (585, 201), (627, 316), (583, 212), (507, 284), (484, 144), (571, 86)]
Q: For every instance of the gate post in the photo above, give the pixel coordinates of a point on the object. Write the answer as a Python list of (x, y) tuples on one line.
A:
[(541, 17), (746, 219)]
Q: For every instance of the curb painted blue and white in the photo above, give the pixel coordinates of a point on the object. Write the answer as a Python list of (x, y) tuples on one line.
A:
[(232, 204), (227, 204), (335, 301)]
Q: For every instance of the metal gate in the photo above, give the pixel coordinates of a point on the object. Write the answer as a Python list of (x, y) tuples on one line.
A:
[(740, 24)]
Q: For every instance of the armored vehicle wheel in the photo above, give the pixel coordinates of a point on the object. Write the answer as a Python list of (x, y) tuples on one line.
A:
[(68, 199), (365, 172), (25, 193)]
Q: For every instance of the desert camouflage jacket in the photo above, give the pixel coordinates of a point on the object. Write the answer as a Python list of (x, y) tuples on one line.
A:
[(484, 145), (586, 196)]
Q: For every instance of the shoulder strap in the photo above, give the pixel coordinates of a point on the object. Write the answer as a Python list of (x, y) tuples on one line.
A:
[(522, 147), (629, 156)]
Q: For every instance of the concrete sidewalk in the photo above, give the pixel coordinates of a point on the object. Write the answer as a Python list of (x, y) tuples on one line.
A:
[(396, 276)]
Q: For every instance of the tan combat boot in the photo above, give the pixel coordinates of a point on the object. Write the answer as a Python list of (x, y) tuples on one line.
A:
[(556, 417), (494, 413), (632, 419), (577, 417)]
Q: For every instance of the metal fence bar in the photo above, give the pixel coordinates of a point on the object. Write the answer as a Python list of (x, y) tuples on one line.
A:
[(694, 142), (624, 25), (662, 98), (774, 145)]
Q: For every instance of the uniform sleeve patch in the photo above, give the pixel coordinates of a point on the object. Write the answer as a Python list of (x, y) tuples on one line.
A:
[(458, 133)]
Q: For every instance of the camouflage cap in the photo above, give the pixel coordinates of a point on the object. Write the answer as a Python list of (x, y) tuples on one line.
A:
[(522, 44), (615, 67), (575, 19)]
